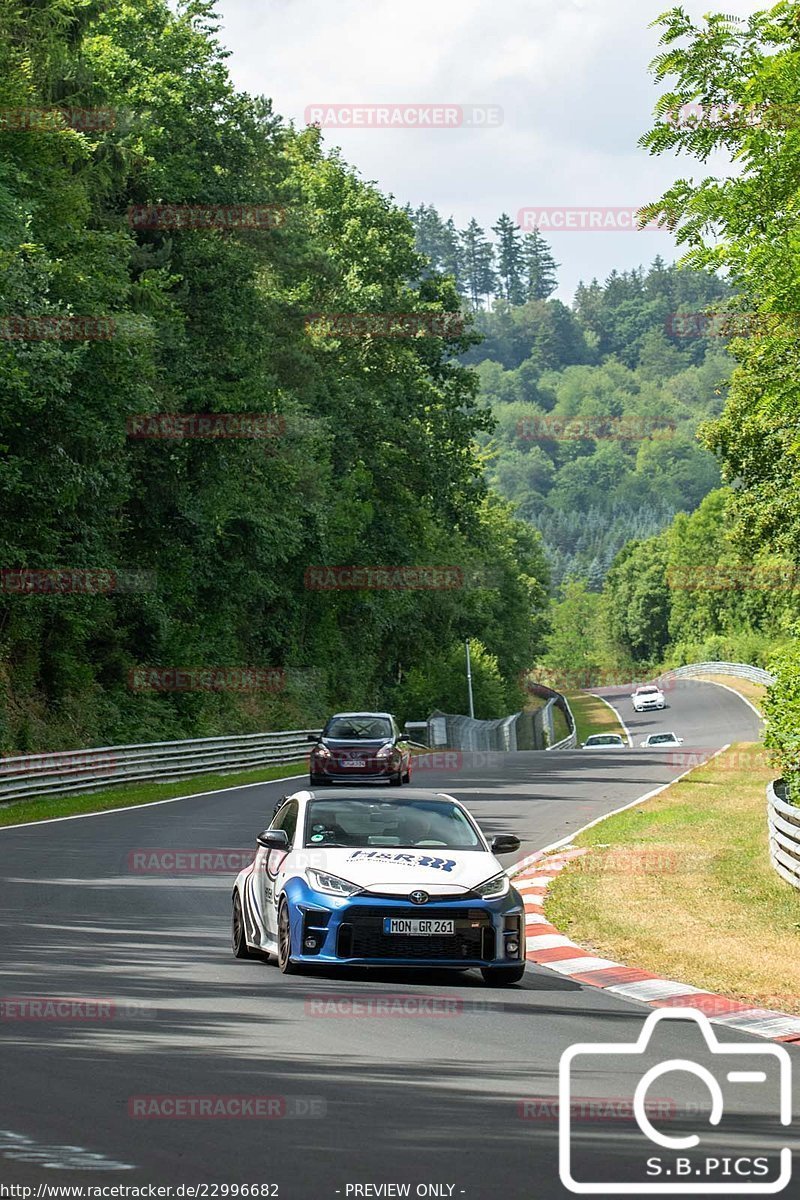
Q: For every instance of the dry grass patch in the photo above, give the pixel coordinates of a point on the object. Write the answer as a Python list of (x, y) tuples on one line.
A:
[(592, 716), (682, 886)]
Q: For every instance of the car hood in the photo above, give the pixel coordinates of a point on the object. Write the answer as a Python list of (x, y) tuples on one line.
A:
[(367, 745), (397, 871)]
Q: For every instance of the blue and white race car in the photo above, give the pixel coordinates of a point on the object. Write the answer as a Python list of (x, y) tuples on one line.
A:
[(359, 878)]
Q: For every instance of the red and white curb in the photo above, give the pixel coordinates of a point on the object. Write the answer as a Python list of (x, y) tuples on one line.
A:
[(547, 947)]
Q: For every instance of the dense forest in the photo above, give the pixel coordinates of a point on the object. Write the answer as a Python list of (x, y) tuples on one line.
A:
[(641, 472), (723, 581), (370, 458), (596, 405)]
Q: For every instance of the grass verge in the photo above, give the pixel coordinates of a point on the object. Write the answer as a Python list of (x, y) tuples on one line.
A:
[(42, 808), (592, 716), (683, 886)]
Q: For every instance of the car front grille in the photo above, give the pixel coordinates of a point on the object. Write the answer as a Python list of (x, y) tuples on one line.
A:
[(361, 935)]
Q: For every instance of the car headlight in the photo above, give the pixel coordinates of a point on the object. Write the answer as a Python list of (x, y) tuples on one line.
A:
[(494, 888), (387, 751), (331, 884), (321, 752)]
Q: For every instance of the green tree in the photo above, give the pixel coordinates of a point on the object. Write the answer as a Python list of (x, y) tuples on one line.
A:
[(510, 260), (573, 645), (539, 267), (478, 264)]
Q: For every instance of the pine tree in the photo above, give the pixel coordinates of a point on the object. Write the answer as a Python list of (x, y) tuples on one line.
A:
[(539, 267), (509, 260), (452, 254), (478, 264)]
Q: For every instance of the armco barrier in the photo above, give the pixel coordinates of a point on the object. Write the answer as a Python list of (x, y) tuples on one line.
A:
[(741, 670), (89, 770), (522, 731), (784, 834)]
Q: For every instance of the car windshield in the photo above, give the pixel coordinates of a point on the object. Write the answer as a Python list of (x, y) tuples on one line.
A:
[(358, 729), (608, 739), (647, 691), (373, 821), (655, 738)]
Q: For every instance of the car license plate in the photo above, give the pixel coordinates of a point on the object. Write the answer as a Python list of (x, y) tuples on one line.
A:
[(352, 762), (419, 927)]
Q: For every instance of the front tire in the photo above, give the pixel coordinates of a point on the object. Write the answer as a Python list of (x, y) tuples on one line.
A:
[(315, 781), (285, 941), (396, 780), (238, 934), (503, 976)]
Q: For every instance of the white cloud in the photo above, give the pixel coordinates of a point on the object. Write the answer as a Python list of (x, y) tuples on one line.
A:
[(570, 76)]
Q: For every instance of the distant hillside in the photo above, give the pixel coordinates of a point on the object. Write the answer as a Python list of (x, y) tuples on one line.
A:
[(596, 405)]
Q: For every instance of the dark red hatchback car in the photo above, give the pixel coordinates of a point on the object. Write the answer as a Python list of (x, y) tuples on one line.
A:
[(360, 745)]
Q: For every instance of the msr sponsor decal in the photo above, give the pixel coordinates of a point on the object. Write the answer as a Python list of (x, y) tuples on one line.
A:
[(404, 860)]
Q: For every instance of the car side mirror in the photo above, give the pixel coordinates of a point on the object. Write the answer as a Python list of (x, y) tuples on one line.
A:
[(505, 844), (313, 737), (273, 839)]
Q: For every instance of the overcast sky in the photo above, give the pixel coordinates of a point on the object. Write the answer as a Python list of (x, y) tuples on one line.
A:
[(570, 78)]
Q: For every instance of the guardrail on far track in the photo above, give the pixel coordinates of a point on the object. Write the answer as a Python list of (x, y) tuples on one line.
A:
[(739, 670)]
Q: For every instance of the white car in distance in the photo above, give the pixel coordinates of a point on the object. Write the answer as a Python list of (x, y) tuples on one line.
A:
[(604, 741), (661, 741), (647, 698)]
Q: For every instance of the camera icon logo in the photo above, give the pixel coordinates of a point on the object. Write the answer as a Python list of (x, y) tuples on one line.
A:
[(677, 1170)]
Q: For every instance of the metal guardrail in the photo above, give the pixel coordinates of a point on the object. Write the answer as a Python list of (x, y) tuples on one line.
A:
[(65, 771), (59, 772), (570, 742), (522, 731), (458, 732), (741, 670), (784, 834)]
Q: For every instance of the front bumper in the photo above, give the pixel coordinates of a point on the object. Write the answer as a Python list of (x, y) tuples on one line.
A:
[(350, 931), (372, 772)]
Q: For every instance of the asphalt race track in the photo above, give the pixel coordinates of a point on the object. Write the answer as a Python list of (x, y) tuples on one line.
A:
[(453, 1093)]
